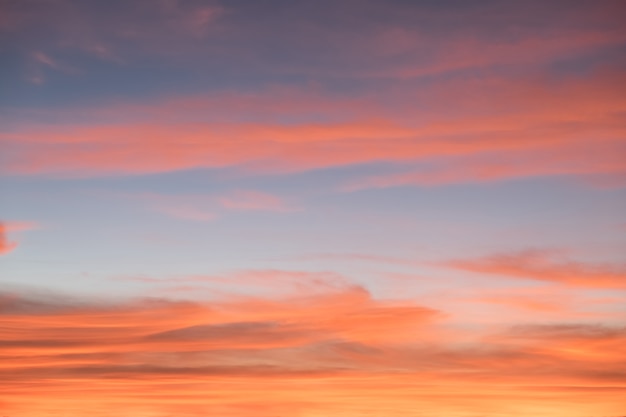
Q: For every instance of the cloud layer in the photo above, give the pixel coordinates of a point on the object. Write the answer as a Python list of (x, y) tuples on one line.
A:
[(567, 128), (511, 93), (299, 355)]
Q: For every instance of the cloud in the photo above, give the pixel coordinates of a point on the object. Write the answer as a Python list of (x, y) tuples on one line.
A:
[(207, 207), (518, 129), (160, 356), (391, 40), (6, 245), (202, 331), (71, 26), (49, 62), (543, 265), (532, 303), (40, 62), (270, 282), (599, 164), (567, 332), (108, 150), (414, 46)]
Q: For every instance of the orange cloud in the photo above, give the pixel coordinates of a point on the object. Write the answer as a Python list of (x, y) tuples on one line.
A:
[(7, 246), (543, 266), (515, 129), (339, 353), (536, 304)]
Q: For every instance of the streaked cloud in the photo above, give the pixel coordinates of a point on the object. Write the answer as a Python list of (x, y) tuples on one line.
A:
[(404, 41), (207, 207), (546, 266), (343, 342), (538, 128)]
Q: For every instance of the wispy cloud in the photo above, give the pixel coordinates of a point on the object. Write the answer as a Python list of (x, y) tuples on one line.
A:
[(250, 200), (41, 62), (405, 40), (6, 246), (207, 207), (546, 266), (269, 282), (186, 207)]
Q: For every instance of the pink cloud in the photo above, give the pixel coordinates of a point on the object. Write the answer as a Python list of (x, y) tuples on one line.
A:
[(467, 51), (516, 129), (545, 266), (42, 61), (6, 245), (599, 164)]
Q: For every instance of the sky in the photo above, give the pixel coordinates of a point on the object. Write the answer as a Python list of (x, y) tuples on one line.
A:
[(291, 208)]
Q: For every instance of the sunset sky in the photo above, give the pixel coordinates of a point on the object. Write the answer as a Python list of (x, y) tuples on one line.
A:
[(312, 208)]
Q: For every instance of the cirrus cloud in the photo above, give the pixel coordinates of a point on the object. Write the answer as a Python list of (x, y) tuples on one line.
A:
[(543, 265)]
